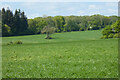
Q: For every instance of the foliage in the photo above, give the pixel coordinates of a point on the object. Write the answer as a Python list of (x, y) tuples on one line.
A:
[(32, 26), (17, 22), (112, 31), (116, 26), (11, 42), (16, 42), (20, 25), (117, 35), (110, 35), (106, 31), (6, 30)]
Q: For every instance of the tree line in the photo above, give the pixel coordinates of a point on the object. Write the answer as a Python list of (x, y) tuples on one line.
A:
[(72, 23), (14, 24), (18, 24), (112, 31)]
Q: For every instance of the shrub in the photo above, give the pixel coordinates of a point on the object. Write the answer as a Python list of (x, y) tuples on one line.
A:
[(8, 44), (6, 30), (110, 35), (105, 36), (11, 42), (107, 31), (116, 36), (18, 42), (102, 37)]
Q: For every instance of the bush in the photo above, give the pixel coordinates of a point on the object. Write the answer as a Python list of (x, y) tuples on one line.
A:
[(116, 35), (102, 37), (107, 30), (6, 30), (110, 35), (105, 36), (11, 42), (18, 42), (8, 44)]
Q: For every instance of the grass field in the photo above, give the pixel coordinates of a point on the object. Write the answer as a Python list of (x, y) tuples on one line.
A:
[(68, 55)]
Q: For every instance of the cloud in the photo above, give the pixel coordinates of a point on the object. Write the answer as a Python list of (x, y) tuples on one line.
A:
[(33, 15), (112, 11), (71, 9), (80, 12), (5, 6), (55, 12), (91, 7), (42, 6), (37, 9), (111, 4), (59, 0)]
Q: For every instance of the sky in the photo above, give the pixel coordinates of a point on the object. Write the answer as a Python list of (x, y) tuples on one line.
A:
[(38, 9)]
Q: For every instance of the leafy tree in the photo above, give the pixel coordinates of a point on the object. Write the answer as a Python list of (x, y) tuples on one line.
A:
[(6, 30), (59, 23), (112, 31), (116, 26), (106, 31), (32, 26), (41, 23), (49, 28)]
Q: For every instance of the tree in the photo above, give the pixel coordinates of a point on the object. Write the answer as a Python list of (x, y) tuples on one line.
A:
[(116, 26), (23, 24), (49, 28), (41, 23), (17, 22), (0, 23), (112, 31), (32, 26), (6, 30), (59, 23)]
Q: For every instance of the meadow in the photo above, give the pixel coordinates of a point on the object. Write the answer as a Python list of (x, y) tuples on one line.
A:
[(67, 55)]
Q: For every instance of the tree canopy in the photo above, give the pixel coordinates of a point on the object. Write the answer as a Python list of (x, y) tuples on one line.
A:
[(18, 24)]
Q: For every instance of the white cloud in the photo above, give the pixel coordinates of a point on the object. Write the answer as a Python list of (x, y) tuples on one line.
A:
[(112, 4), (80, 12), (91, 7), (112, 11), (5, 6), (59, 0), (71, 9), (36, 5), (55, 12), (33, 15)]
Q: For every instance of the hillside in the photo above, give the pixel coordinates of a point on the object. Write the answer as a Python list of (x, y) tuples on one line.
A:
[(68, 55)]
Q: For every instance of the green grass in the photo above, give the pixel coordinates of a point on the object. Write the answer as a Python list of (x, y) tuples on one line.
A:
[(68, 55)]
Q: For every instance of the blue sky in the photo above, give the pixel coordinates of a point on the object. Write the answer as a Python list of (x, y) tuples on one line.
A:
[(38, 9)]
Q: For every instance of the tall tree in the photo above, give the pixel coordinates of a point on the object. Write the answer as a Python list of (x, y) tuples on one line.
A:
[(24, 24), (17, 27)]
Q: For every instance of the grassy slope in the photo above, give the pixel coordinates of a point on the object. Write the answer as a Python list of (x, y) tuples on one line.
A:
[(73, 54)]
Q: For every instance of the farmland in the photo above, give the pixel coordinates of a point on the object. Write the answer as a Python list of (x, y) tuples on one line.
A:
[(68, 55)]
